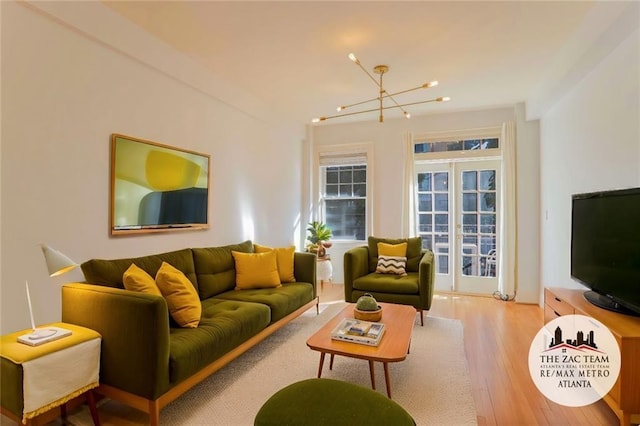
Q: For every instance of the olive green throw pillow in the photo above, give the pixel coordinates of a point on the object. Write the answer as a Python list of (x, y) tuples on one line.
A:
[(181, 296)]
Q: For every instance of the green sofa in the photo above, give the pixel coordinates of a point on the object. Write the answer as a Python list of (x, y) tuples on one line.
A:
[(147, 360), (415, 289)]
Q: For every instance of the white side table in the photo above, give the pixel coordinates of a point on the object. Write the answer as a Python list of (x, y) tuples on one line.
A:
[(324, 270)]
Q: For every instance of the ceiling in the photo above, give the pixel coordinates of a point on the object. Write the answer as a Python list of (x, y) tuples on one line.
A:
[(294, 54)]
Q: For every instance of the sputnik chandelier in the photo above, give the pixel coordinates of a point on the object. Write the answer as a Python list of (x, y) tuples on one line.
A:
[(381, 70)]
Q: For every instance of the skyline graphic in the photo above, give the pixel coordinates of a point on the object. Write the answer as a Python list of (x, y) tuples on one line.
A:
[(578, 342)]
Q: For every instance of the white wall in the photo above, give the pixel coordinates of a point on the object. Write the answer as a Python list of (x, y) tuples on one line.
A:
[(528, 207), (590, 141), (64, 92), (387, 138)]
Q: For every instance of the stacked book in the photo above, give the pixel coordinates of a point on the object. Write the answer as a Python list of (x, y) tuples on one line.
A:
[(358, 331)]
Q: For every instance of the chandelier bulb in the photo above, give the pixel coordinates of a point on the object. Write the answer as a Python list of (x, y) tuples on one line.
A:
[(353, 58), (406, 114), (340, 108)]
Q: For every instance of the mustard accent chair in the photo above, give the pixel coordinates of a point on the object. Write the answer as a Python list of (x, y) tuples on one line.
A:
[(415, 288)]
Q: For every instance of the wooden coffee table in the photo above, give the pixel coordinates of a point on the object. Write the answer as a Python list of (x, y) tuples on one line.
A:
[(394, 346)]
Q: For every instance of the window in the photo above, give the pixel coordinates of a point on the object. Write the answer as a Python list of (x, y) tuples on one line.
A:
[(344, 194), (458, 145)]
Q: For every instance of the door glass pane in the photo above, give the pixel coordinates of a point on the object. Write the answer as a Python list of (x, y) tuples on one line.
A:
[(426, 225), (424, 182), (441, 181), (442, 222), (488, 180), (488, 223), (427, 242), (442, 202), (469, 223), (488, 202), (469, 202), (424, 202), (469, 181)]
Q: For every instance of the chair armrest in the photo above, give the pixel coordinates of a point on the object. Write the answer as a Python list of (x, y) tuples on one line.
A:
[(135, 335), (356, 265), (304, 268), (426, 278)]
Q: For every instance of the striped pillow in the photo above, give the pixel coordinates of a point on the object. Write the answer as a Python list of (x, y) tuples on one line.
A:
[(392, 265)]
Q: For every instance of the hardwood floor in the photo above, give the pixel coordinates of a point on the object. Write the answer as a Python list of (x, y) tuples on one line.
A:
[(497, 336)]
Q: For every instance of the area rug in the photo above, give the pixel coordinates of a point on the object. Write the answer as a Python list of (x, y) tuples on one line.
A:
[(432, 384)]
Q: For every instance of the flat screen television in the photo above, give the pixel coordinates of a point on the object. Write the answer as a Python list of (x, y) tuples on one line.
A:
[(605, 248)]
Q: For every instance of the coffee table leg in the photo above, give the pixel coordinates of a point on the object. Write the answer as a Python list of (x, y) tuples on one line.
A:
[(373, 377), (331, 362), (386, 379), (322, 354)]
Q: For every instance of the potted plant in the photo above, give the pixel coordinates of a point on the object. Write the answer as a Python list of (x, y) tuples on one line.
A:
[(319, 236)]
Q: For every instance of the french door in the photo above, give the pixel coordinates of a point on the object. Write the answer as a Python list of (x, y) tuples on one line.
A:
[(457, 207)]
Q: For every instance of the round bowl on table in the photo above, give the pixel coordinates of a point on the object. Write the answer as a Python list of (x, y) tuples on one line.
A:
[(373, 316)]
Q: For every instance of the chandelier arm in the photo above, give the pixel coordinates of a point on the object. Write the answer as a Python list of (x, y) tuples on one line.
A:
[(405, 91), (396, 104), (359, 103), (377, 109), (385, 96), (367, 72)]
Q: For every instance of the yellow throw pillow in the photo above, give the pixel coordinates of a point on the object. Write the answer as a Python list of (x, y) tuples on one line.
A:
[(396, 250), (137, 279), (181, 296), (256, 270), (284, 260)]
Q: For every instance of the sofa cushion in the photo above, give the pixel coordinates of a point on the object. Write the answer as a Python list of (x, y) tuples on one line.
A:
[(223, 326), (284, 257), (282, 300), (136, 279), (386, 283), (110, 272), (181, 296), (414, 251), (256, 270), (215, 268)]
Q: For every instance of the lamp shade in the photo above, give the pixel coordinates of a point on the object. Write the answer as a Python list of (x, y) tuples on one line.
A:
[(57, 263)]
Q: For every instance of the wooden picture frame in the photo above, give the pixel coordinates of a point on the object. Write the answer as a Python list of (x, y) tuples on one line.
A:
[(157, 187)]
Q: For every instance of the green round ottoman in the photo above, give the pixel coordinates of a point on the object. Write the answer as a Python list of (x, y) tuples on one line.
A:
[(325, 402)]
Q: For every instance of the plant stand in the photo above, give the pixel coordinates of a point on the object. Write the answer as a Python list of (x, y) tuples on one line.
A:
[(324, 270)]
